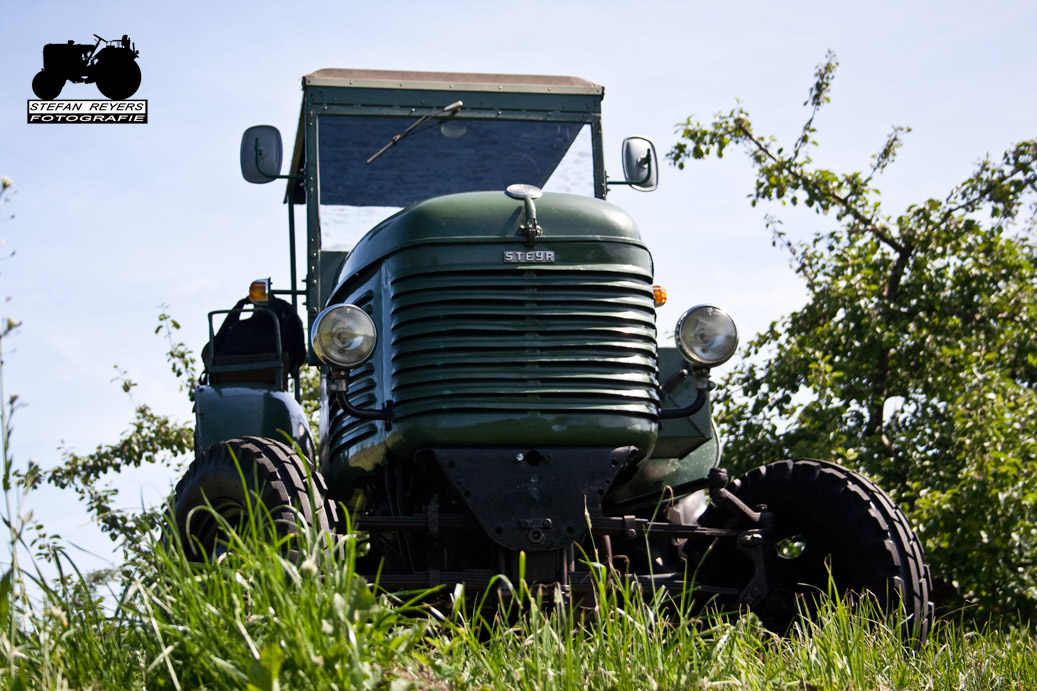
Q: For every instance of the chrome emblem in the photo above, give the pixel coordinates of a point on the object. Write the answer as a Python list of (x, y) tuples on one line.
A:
[(529, 257)]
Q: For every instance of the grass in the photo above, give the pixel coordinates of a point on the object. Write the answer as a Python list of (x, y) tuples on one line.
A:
[(257, 620)]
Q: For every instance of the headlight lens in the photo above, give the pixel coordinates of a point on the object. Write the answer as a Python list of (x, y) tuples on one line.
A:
[(344, 336), (706, 336)]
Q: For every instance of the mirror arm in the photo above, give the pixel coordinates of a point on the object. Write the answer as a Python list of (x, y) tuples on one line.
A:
[(643, 181), (272, 177)]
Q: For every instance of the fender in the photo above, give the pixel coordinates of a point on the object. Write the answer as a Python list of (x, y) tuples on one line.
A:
[(227, 411)]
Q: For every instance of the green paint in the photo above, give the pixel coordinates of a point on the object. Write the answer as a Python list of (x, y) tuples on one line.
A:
[(227, 411)]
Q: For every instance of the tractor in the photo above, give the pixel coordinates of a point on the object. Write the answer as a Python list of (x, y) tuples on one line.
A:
[(495, 399), (114, 68)]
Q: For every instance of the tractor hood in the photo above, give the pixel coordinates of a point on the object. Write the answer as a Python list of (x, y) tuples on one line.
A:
[(488, 218)]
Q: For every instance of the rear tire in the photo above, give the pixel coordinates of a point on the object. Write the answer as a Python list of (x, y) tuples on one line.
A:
[(47, 85), (118, 78), (262, 473), (828, 519)]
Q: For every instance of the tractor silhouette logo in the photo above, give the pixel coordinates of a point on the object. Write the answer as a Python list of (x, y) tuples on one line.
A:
[(113, 68)]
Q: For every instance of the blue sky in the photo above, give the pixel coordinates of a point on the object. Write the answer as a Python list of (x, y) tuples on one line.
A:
[(114, 221)]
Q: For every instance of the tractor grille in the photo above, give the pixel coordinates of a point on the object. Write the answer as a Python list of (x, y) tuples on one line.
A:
[(550, 339)]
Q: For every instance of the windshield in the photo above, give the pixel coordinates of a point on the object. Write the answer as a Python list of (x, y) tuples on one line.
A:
[(441, 156)]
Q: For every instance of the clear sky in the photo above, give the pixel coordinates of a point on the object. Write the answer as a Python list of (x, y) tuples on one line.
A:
[(114, 221)]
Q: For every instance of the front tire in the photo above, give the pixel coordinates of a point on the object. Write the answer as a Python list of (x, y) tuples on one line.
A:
[(242, 475), (47, 85), (827, 520)]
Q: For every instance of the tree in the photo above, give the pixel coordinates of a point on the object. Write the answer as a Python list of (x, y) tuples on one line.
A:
[(914, 359)]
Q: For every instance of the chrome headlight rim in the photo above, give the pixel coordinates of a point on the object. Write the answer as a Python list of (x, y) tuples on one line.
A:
[(364, 326), (689, 353)]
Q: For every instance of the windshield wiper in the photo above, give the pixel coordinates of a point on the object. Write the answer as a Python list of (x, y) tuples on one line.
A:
[(445, 112)]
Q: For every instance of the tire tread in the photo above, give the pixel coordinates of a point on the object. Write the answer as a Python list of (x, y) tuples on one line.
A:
[(893, 547)]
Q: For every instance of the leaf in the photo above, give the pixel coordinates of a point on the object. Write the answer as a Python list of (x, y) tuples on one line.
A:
[(262, 675), (5, 600), (19, 682)]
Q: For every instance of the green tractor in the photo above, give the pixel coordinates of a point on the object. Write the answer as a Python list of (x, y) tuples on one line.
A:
[(494, 398)]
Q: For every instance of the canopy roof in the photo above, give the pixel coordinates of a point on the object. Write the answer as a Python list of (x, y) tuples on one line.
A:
[(447, 81)]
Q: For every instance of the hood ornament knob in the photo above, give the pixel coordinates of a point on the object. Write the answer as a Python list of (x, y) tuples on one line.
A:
[(527, 193)]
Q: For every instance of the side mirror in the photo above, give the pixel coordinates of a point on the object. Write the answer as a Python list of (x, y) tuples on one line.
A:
[(640, 167), (261, 154)]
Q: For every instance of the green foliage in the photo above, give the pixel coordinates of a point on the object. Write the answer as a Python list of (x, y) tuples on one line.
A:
[(181, 359), (309, 388), (915, 357), (253, 619)]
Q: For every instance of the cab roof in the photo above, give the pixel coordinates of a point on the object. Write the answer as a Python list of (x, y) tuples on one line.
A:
[(447, 81)]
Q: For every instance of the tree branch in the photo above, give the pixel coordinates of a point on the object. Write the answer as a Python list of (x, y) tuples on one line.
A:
[(868, 224)]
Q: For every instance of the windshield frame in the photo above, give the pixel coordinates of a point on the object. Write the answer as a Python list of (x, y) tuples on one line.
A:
[(408, 96), (413, 94)]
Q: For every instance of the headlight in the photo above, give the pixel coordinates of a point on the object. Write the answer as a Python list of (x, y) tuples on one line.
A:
[(706, 336), (343, 336)]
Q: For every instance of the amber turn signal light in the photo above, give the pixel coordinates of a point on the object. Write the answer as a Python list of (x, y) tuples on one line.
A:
[(259, 291), (660, 295)]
